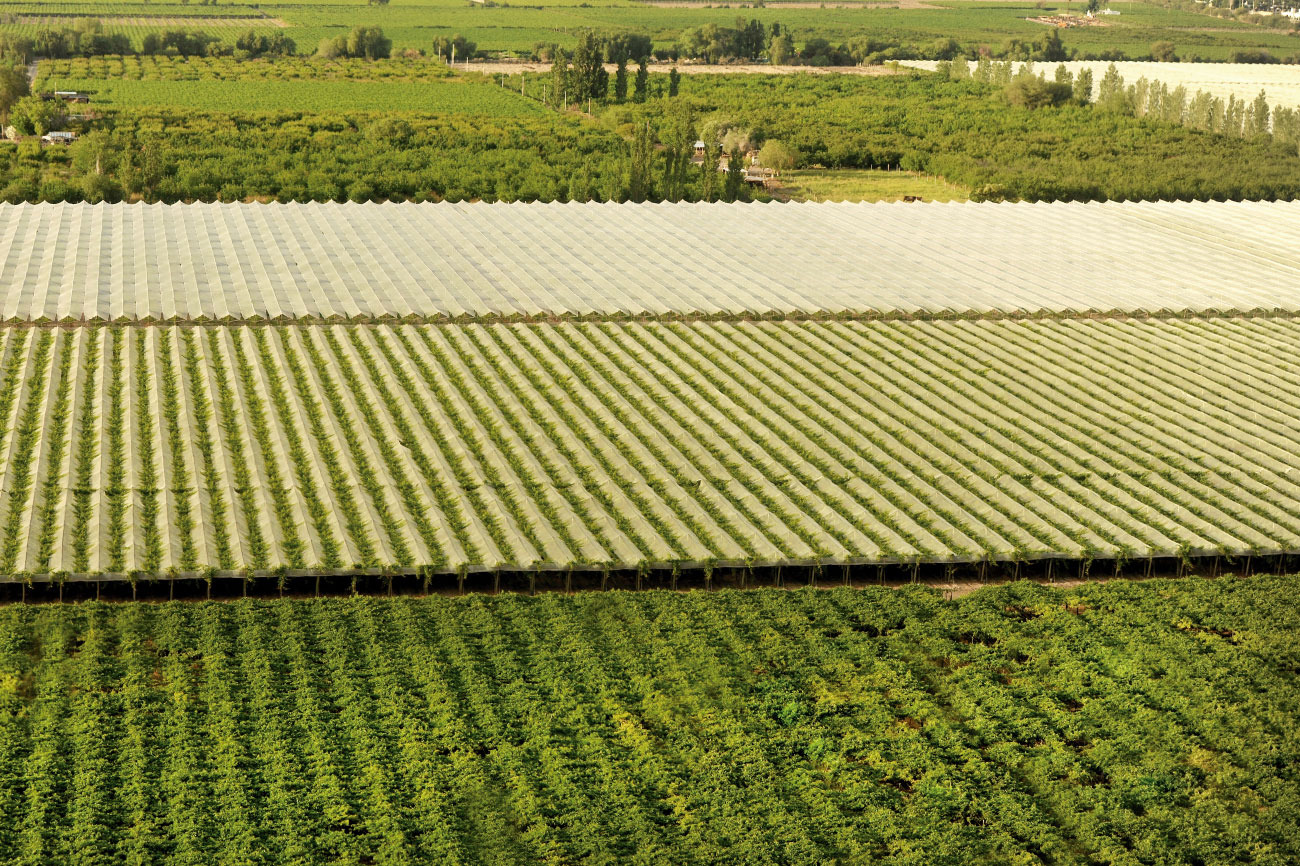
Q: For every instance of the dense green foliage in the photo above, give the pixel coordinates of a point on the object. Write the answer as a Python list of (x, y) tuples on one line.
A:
[(968, 134), (1108, 724), (177, 155), (194, 133)]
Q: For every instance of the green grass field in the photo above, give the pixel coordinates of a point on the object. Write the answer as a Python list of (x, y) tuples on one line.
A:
[(1118, 723), (866, 185), (415, 23), (452, 96)]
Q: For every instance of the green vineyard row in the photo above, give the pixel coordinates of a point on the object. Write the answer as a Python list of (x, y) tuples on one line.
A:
[(450, 448), (1118, 723)]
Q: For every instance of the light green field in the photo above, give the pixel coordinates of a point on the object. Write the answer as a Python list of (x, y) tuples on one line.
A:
[(867, 185), (454, 96), (163, 68), (414, 24)]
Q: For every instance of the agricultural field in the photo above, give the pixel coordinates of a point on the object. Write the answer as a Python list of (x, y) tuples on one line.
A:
[(1117, 723), (164, 68), (464, 138), (968, 134), (510, 29), (222, 84), (454, 96), (1244, 81), (866, 185), (438, 449)]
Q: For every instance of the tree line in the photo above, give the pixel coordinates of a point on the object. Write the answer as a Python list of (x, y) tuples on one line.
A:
[(645, 151), (1152, 99), (958, 130)]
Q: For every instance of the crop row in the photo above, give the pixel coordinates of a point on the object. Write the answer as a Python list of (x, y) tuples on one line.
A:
[(157, 67), (437, 449), (759, 727)]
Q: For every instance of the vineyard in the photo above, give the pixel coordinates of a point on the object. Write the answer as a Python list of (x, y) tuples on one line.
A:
[(444, 449), (223, 22), (153, 67), (443, 391), (113, 23), (514, 28), (447, 96), (1114, 723)]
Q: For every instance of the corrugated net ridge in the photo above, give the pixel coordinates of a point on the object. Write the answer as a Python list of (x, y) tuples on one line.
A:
[(116, 262), (589, 444)]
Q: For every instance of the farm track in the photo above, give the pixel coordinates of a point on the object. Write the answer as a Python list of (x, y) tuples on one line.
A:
[(370, 448)]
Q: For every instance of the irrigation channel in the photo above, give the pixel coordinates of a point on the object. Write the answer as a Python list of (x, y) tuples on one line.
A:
[(954, 578)]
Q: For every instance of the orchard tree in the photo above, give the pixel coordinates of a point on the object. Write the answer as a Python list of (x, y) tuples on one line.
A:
[(778, 156), (32, 115), (13, 87)]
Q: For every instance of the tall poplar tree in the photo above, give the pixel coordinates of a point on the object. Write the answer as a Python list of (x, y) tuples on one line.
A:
[(642, 81), (620, 81)]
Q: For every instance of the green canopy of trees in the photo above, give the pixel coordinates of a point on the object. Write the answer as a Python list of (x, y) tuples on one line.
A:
[(367, 42)]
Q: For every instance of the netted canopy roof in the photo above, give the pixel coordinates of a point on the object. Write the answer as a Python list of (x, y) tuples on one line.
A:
[(357, 261)]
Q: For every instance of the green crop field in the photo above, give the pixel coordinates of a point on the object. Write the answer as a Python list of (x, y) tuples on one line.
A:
[(452, 96), (866, 184), (164, 68), (301, 84), (1115, 723), (511, 28), (214, 444)]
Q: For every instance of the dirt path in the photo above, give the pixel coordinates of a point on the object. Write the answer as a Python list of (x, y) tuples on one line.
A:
[(514, 68), (31, 73)]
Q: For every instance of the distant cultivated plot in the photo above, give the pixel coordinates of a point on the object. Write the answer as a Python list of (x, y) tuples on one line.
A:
[(77, 262), (1280, 82), (161, 68), (446, 96), (151, 21), (448, 448)]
